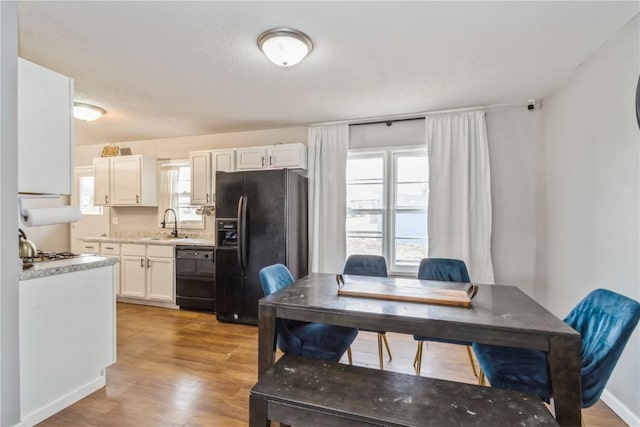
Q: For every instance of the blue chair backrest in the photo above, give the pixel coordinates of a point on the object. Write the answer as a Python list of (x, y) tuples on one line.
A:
[(275, 277), (605, 320), (443, 270), (366, 265)]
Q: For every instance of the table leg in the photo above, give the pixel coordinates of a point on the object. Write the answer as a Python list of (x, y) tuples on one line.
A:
[(266, 337), (258, 412), (564, 371)]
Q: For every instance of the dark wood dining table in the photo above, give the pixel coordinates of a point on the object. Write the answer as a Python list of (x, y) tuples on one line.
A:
[(499, 315)]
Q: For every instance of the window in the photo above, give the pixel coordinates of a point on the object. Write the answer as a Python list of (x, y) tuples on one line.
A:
[(387, 193), (85, 196), (175, 193)]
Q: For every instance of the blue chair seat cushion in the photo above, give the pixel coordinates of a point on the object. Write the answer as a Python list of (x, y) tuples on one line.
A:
[(443, 340), (316, 340), (515, 369)]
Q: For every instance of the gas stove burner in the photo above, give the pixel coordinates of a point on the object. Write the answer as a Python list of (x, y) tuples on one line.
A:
[(50, 256)]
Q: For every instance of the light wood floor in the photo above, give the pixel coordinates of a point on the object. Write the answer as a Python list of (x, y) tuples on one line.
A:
[(179, 368)]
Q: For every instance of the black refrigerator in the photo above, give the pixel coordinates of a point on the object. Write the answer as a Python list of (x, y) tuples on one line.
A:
[(261, 219)]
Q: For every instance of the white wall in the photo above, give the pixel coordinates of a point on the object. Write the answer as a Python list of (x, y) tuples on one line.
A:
[(9, 267), (591, 216)]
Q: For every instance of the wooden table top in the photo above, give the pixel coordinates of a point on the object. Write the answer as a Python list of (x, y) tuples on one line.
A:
[(495, 307)]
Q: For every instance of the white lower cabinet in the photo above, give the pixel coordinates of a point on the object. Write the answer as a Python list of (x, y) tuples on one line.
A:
[(112, 250), (148, 272)]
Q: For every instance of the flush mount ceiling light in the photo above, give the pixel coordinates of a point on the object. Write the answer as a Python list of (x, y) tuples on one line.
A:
[(87, 112), (285, 46)]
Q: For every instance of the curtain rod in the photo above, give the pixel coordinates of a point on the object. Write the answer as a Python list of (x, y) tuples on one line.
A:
[(421, 115), (388, 122)]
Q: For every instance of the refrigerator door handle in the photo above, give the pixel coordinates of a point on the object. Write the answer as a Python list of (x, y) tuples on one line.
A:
[(242, 232)]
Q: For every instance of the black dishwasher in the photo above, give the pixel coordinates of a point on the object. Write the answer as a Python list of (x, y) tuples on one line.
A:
[(195, 278)]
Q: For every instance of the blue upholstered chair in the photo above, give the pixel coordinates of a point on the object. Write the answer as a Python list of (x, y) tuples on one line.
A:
[(312, 340), (442, 270), (370, 265), (604, 319)]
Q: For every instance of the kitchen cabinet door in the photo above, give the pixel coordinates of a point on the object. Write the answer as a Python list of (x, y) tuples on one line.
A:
[(223, 161), (160, 278), (125, 181), (288, 156), (201, 193), (45, 130), (252, 158), (112, 250), (101, 181), (133, 276)]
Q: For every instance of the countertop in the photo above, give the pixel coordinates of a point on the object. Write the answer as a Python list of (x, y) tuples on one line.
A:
[(150, 241), (62, 266)]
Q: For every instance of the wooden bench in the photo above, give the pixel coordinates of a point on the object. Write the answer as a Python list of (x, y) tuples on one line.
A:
[(305, 392)]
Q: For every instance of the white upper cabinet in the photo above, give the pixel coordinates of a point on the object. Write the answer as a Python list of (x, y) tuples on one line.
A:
[(272, 157), (45, 130), (200, 177), (252, 158), (130, 181), (288, 156), (204, 165), (101, 181)]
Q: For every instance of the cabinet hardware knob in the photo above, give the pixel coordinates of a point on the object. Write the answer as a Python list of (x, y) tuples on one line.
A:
[(262, 161), (270, 164), (207, 197), (137, 199), (106, 199), (141, 262), (148, 263)]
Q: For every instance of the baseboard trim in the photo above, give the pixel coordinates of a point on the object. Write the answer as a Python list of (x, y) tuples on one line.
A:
[(59, 404), (620, 408), (140, 301)]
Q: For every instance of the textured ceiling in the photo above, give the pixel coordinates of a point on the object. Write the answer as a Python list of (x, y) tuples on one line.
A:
[(165, 69)]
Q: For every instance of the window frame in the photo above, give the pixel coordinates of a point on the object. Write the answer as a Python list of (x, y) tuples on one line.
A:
[(389, 209), (194, 225)]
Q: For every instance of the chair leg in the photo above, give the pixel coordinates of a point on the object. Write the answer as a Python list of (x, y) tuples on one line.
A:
[(349, 356), (481, 380), (418, 360), (386, 344), (473, 365), (380, 350)]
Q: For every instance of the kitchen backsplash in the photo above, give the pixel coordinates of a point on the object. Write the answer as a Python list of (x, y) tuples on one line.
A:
[(143, 222)]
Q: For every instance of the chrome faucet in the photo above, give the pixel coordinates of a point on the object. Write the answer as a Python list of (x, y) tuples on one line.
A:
[(174, 233)]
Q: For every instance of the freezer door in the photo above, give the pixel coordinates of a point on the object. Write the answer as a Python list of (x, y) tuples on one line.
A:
[(229, 189), (229, 285)]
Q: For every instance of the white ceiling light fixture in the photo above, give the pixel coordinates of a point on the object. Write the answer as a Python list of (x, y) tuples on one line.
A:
[(87, 112), (285, 46)]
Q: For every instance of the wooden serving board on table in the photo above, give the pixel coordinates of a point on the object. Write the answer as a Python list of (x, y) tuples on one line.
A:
[(408, 290)]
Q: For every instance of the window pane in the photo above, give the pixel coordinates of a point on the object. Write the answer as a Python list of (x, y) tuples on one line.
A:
[(411, 225), (411, 196), (364, 246), (412, 169), (368, 225), (365, 196), (85, 196), (410, 251), (368, 168), (410, 242)]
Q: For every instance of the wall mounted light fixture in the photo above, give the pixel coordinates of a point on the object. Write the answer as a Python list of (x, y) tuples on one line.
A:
[(87, 112), (285, 46)]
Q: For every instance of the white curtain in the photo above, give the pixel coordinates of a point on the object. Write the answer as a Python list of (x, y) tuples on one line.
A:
[(459, 212), (168, 191), (328, 147)]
